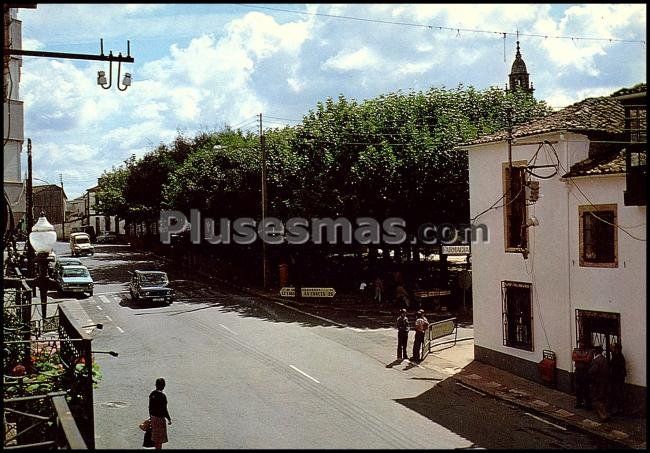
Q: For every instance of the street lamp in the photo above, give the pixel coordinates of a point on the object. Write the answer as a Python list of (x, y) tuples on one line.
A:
[(42, 238)]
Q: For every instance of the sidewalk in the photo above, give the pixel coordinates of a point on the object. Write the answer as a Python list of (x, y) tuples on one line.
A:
[(629, 432)]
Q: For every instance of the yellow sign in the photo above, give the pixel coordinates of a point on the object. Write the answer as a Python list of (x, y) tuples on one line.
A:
[(308, 292), (441, 329)]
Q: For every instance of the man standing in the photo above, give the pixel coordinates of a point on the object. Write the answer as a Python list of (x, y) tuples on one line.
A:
[(421, 326), (599, 379), (582, 357), (617, 373), (402, 334)]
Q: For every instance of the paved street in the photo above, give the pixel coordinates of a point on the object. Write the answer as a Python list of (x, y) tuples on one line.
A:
[(248, 373)]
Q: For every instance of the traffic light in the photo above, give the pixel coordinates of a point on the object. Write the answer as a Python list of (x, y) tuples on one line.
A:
[(532, 191)]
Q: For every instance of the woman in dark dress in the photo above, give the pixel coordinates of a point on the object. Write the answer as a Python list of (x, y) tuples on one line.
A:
[(158, 413)]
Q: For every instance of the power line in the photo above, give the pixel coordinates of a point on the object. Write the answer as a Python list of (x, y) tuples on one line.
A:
[(439, 27)]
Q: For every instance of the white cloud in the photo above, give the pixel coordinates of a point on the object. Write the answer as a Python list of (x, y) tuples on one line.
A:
[(563, 98), (347, 60)]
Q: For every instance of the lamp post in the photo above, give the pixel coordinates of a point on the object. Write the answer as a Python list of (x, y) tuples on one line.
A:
[(42, 238)]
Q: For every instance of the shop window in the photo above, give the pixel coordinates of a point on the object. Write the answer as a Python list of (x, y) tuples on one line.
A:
[(517, 315), (598, 236)]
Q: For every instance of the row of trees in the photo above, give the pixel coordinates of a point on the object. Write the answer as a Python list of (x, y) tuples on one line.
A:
[(391, 156)]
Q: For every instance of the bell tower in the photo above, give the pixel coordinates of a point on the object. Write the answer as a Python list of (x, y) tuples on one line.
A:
[(519, 77)]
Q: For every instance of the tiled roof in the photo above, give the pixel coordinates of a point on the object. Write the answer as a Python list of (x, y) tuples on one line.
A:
[(638, 88), (607, 165), (602, 114)]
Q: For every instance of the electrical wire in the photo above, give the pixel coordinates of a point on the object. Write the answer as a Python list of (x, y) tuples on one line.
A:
[(431, 27), (559, 165)]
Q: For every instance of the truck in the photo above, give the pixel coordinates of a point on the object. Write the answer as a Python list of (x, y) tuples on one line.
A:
[(80, 244)]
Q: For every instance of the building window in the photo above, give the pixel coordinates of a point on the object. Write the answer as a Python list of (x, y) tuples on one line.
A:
[(598, 328), (514, 200), (517, 315), (598, 236), (635, 119)]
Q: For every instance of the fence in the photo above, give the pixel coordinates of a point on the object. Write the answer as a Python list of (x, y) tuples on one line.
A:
[(438, 330), (52, 421), (46, 418)]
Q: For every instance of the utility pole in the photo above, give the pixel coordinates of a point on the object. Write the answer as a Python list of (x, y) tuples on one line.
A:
[(63, 201), (29, 205), (263, 150)]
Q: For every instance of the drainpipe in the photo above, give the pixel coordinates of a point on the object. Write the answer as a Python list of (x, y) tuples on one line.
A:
[(568, 247)]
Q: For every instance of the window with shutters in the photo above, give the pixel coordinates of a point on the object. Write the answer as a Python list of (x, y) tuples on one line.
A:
[(514, 201), (598, 236)]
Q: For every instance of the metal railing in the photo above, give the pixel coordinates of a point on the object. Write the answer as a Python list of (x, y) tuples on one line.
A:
[(437, 330), (46, 419)]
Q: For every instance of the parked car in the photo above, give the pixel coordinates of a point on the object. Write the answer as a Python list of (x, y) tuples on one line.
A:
[(65, 261), (150, 286), (106, 238), (80, 244), (74, 279)]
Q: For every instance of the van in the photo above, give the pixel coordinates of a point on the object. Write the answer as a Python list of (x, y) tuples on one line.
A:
[(80, 244)]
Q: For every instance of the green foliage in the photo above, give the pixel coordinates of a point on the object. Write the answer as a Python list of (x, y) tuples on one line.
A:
[(393, 155)]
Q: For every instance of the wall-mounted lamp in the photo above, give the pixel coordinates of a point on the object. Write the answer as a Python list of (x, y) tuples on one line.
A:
[(532, 221), (113, 353), (101, 75)]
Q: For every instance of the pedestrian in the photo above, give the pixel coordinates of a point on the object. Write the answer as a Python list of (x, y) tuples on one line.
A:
[(402, 334), (379, 289), (362, 290), (582, 356), (599, 381), (158, 413), (617, 374), (402, 297), (421, 326)]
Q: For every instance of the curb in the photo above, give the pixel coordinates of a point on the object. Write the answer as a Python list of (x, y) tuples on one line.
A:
[(526, 401)]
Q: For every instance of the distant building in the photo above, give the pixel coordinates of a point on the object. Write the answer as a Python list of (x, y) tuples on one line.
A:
[(519, 77), (82, 211), (51, 200)]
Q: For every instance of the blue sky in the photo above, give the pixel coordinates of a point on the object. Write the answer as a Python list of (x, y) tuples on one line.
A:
[(201, 66)]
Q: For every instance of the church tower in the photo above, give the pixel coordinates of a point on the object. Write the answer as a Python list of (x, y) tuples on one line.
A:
[(519, 77)]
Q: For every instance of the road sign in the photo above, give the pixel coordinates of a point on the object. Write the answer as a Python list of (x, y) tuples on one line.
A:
[(308, 292), (455, 249)]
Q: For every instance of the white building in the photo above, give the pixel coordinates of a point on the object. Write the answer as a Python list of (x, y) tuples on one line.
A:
[(572, 263)]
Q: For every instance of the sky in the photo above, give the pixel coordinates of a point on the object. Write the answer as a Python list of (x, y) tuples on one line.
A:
[(200, 67)]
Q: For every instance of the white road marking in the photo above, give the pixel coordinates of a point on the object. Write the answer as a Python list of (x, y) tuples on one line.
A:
[(105, 299), (119, 328), (99, 308), (304, 374), (309, 314), (112, 292), (545, 421), (109, 318), (470, 388), (229, 330)]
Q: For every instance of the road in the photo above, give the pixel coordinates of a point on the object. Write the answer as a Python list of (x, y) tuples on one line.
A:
[(248, 373)]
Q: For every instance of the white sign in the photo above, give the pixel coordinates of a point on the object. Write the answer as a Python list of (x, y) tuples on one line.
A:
[(455, 249), (308, 292)]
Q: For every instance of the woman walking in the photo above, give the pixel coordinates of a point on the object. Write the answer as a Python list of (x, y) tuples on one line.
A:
[(158, 413)]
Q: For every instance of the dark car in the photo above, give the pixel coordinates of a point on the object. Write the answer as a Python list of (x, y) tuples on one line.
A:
[(64, 261), (106, 238), (150, 286)]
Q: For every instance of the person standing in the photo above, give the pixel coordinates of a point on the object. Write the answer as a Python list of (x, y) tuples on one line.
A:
[(421, 326), (599, 380), (402, 335), (158, 413), (379, 289), (582, 356), (617, 373)]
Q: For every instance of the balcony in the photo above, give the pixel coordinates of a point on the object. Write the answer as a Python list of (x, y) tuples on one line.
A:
[(636, 175)]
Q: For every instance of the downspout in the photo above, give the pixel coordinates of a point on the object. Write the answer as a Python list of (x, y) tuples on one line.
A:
[(568, 248)]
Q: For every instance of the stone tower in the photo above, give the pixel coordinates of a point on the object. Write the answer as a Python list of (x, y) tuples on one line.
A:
[(519, 77)]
